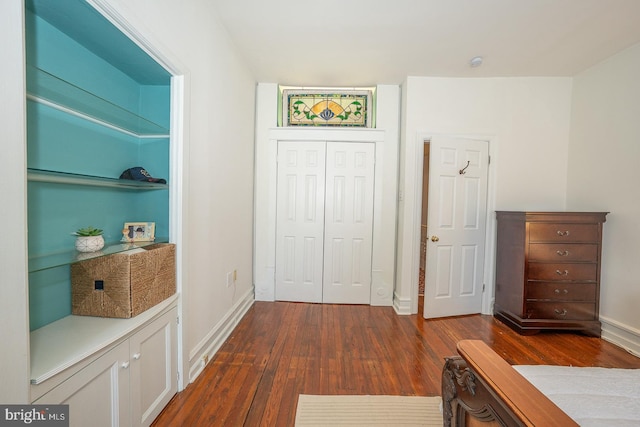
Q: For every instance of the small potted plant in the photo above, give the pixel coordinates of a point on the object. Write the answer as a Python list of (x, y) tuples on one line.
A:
[(89, 239)]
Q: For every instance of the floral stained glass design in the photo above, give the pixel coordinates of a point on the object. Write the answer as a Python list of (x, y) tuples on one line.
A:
[(349, 108)]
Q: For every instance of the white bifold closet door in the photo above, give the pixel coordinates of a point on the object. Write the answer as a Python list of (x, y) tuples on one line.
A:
[(300, 221), (324, 222)]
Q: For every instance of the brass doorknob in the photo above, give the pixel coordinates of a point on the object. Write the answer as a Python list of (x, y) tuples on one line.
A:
[(434, 238)]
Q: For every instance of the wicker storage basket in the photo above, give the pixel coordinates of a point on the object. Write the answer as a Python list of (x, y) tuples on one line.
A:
[(123, 284)]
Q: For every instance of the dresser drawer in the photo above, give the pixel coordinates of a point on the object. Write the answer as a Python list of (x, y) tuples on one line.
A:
[(563, 252), (563, 271), (559, 232), (561, 310), (560, 291)]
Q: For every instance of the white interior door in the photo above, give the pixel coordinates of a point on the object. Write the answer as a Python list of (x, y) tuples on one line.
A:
[(300, 221), (348, 223), (456, 222)]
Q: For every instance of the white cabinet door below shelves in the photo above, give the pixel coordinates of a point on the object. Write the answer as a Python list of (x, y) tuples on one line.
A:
[(153, 368), (98, 395)]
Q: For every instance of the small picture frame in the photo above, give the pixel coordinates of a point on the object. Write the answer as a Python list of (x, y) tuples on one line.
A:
[(138, 232)]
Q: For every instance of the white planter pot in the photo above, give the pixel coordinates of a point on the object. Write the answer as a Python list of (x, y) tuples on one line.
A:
[(89, 243)]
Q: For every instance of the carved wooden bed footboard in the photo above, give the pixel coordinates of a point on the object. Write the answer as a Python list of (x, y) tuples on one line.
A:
[(480, 388)]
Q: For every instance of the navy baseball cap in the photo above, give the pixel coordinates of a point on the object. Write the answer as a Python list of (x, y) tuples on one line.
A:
[(140, 174)]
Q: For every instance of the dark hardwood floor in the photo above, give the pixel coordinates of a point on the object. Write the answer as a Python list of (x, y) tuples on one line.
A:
[(280, 350)]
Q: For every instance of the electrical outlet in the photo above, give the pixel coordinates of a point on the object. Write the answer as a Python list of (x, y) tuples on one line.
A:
[(229, 279)]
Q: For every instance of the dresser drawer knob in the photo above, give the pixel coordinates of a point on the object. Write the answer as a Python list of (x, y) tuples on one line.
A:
[(562, 312), (564, 291), (562, 253), (562, 273), (563, 233)]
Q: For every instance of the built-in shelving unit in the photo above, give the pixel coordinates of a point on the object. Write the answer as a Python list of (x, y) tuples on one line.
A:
[(92, 112), (97, 105)]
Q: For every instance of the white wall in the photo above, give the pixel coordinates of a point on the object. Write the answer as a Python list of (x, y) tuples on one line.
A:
[(218, 165), (14, 349), (604, 154), (527, 123)]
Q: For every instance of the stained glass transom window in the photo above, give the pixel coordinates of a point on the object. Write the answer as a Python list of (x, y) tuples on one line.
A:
[(350, 108)]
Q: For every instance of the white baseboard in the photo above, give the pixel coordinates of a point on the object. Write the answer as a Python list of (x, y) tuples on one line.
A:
[(621, 335), (402, 306), (209, 346)]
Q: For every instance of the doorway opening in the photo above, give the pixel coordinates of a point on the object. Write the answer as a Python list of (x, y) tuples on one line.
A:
[(454, 204), (423, 225)]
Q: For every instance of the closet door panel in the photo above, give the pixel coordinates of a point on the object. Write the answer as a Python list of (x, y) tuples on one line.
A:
[(348, 222), (300, 221)]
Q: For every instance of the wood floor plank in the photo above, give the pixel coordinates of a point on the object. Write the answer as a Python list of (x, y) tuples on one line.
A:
[(280, 350)]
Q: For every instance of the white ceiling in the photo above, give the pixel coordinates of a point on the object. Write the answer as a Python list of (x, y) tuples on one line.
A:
[(367, 42)]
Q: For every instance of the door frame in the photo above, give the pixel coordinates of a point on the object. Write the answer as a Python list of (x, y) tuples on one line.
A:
[(413, 246), (265, 228)]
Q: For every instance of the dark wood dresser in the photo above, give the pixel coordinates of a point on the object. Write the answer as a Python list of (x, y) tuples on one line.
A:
[(548, 270)]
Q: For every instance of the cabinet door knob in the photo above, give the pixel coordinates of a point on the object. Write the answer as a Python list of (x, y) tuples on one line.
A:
[(562, 312), (136, 356), (562, 253), (434, 238), (125, 365), (562, 273)]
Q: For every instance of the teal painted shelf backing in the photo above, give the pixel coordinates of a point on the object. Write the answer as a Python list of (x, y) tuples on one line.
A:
[(55, 211), (60, 142), (49, 296)]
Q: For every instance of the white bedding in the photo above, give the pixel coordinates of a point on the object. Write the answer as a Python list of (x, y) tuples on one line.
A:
[(595, 397)]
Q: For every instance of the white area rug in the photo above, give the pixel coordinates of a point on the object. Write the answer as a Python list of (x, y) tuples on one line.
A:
[(378, 411)]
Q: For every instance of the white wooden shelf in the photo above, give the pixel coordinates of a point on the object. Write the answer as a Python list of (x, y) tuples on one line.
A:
[(72, 339)]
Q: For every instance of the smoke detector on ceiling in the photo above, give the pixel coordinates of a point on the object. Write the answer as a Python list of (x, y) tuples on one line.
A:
[(476, 61)]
